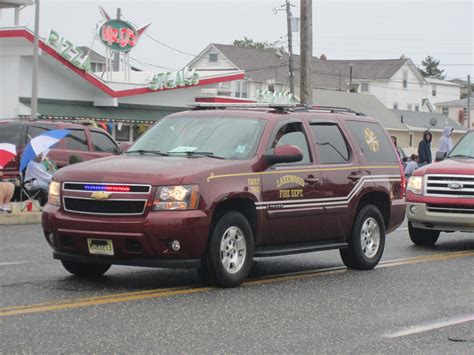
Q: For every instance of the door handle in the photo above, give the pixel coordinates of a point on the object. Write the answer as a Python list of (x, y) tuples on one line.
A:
[(354, 176), (312, 180)]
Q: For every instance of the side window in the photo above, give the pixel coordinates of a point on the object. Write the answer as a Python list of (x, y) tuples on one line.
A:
[(102, 143), (330, 143), (293, 134), (76, 140), (34, 130), (372, 141)]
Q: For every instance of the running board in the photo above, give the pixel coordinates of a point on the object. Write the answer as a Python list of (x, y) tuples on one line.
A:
[(288, 249)]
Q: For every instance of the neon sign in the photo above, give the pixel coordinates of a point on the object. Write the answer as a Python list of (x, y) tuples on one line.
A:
[(118, 35), (68, 51), (279, 97), (172, 80)]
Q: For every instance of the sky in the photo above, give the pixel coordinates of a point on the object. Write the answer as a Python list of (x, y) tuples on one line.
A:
[(350, 29)]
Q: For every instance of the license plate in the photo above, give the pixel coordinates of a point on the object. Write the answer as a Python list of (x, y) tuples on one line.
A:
[(100, 246)]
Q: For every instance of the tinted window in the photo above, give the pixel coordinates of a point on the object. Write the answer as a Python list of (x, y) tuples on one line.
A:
[(102, 143), (76, 140), (372, 141), (331, 144), (34, 130), (293, 134), (10, 133)]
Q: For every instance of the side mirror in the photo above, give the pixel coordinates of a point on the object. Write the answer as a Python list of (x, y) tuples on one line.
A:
[(440, 156), (285, 154), (123, 147)]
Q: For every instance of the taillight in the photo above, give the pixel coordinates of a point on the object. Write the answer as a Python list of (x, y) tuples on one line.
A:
[(402, 176)]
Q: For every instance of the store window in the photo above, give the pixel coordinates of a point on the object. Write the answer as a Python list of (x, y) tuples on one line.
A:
[(138, 130), (122, 132), (76, 140)]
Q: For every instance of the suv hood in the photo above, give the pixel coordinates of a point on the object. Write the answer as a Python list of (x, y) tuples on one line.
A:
[(449, 166), (142, 169)]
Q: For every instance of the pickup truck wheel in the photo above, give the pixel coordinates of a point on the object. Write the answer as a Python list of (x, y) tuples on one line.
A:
[(85, 270), (425, 237), (367, 241), (230, 253)]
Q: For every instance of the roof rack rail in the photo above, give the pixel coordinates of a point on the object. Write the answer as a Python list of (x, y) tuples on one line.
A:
[(333, 109)]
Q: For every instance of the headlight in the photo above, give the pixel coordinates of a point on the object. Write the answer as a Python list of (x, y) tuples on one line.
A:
[(54, 193), (415, 184), (181, 197)]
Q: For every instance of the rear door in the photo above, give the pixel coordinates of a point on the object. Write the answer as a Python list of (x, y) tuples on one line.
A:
[(340, 176), (75, 143), (289, 188)]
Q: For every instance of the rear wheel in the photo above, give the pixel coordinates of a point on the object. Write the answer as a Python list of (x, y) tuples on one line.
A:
[(85, 270), (367, 241), (230, 253), (425, 237)]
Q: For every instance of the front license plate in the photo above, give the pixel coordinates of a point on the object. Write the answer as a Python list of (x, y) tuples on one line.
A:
[(100, 246)]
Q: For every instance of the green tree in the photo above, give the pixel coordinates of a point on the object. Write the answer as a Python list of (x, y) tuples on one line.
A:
[(430, 68), (250, 43)]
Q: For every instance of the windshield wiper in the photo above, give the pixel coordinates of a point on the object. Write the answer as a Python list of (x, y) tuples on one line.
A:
[(461, 156), (197, 153), (143, 151)]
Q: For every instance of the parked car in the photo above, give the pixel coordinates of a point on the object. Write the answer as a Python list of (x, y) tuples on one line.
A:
[(214, 188), (84, 142), (440, 196)]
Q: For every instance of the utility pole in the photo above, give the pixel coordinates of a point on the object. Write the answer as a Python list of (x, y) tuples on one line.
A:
[(306, 52), (34, 86), (116, 64), (469, 102), (290, 47)]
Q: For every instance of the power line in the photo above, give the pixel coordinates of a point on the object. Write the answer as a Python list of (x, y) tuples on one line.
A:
[(168, 46)]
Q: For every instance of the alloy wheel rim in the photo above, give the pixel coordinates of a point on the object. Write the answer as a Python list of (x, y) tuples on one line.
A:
[(370, 237), (233, 250)]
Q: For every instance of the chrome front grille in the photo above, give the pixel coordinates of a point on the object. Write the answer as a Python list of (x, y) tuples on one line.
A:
[(456, 186), (458, 209)]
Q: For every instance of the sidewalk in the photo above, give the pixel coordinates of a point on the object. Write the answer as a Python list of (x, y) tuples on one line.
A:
[(19, 217)]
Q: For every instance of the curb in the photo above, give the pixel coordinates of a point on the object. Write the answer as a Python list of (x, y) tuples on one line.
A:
[(21, 218)]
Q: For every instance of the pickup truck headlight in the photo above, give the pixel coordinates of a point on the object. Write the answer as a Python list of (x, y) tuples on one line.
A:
[(415, 184), (181, 197), (54, 194)]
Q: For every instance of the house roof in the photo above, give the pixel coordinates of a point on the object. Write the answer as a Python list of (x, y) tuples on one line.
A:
[(367, 104), (457, 103), (441, 82), (423, 119), (264, 64)]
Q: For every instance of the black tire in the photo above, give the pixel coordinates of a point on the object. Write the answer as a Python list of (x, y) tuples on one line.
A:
[(424, 237), (355, 255), (212, 270), (85, 270)]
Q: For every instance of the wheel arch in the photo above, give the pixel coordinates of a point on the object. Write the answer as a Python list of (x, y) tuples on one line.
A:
[(379, 199), (242, 204)]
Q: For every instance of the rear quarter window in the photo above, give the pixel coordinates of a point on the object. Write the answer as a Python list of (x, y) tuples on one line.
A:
[(373, 141)]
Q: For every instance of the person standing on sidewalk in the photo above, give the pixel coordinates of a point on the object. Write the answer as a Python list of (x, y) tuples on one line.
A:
[(424, 149), (6, 193), (445, 144)]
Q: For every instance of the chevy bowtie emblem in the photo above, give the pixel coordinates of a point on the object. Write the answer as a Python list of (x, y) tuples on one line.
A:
[(100, 195), (456, 186)]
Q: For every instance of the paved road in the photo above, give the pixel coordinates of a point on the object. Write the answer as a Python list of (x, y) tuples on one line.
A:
[(417, 300)]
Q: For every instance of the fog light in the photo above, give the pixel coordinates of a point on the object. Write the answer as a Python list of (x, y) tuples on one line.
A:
[(175, 245), (413, 209)]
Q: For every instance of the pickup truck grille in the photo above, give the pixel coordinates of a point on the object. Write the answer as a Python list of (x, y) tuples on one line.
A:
[(109, 207), (459, 209), (456, 186)]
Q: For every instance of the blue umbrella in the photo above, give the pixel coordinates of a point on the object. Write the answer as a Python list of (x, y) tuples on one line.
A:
[(40, 144)]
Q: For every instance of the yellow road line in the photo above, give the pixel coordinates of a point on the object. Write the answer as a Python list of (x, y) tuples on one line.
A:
[(169, 292)]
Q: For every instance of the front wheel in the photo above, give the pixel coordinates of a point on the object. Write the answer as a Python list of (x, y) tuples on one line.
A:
[(85, 270), (230, 253), (367, 241), (424, 237)]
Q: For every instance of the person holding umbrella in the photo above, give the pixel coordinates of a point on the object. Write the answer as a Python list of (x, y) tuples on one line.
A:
[(7, 189)]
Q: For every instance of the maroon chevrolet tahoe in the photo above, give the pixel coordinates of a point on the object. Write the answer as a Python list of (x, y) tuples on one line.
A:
[(212, 188), (440, 196)]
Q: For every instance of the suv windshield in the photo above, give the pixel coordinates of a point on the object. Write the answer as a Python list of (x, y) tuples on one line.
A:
[(224, 137), (465, 147)]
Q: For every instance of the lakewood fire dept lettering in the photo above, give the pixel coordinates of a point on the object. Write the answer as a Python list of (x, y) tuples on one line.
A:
[(290, 179)]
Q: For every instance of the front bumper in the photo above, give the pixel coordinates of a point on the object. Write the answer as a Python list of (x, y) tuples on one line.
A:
[(420, 217), (141, 241)]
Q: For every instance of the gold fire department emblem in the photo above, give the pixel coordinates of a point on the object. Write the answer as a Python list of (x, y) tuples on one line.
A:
[(371, 140), (100, 195)]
